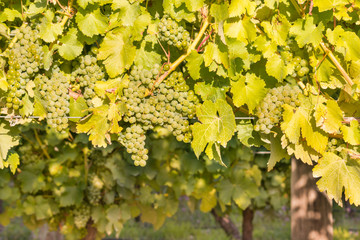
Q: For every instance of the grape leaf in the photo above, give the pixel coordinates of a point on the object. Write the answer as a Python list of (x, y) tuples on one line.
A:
[(27, 106), (194, 62), (84, 3), (244, 129), (91, 23), (328, 117), (352, 133), (72, 195), (13, 162), (325, 5), (36, 8), (240, 7), (225, 189), (307, 32), (128, 12), (147, 55), (3, 83), (214, 53), (114, 116), (117, 51), (345, 42), (338, 174), (8, 14), (250, 181), (112, 85), (208, 92), (114, 215), (243, 30), (77, 108), (44, 208), (49, 30), (277, 152), (275, 67), (219, 12), (194, 5), (9, 137), (249, 90), (217, 124), (208, 201), (296, 124), (96, 126), (178, 13), (277, 30), (140, 24), (71, 47)]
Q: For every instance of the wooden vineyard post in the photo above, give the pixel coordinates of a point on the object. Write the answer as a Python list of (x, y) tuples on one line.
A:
[(311, 210)]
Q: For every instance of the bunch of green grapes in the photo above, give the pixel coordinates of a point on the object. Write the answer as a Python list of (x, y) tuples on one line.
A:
[(82, 216), (150, 104), (269, 111), (28, 154), (94, 189), (54, 90), (86, 72), (24, 60), (174, 35), (177, 81), (301, 67), (337, 145), (17, 86), (134, 141)]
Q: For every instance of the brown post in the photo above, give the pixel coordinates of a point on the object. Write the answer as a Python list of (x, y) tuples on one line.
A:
[(91, 231), (247, 224), (311, 210), (227, 225)]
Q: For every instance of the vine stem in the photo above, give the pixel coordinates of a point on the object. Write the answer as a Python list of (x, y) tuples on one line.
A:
[(191, 48), (86, 165), (336, 63), (69, 15), (41, 145), (297, 7)]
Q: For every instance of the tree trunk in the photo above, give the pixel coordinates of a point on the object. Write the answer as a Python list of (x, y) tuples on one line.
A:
[(43, 233), (91, 232), (247, 225), (311, 210), (227, 225)]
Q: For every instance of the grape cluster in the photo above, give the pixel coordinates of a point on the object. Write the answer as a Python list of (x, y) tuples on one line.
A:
[(94, 189), (82, 216), (151, 104), (134, 141), (269, 111), (301, 67), (17, 86), (28, 155), (336, 145), (86, 72), (25, 60), (173, 34), (54, 91)]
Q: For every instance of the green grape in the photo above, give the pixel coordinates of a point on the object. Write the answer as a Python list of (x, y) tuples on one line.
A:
[(58, 100), (85, 73), (82, 216), (158, 109), (269, 112), (25, 60), (173, 34)]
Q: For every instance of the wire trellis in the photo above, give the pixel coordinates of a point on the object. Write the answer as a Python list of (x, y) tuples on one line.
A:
[(37, 117)]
